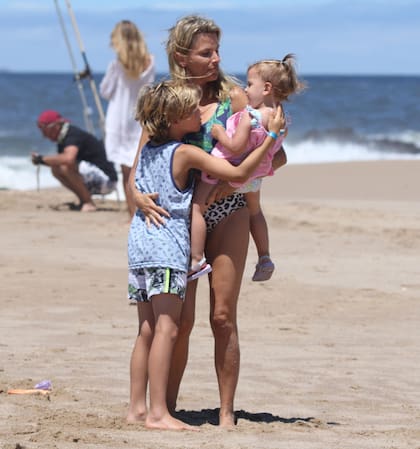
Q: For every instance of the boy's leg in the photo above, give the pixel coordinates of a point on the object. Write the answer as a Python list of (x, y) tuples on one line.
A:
[(137, 410), (167, 312)]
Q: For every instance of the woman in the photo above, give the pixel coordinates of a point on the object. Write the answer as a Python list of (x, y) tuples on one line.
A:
[(193, 54), (133, 68)]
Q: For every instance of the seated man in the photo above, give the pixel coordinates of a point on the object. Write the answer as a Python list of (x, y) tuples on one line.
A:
[(81, 164)]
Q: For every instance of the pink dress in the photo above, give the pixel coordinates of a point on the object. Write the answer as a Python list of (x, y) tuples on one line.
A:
[(256, 138)]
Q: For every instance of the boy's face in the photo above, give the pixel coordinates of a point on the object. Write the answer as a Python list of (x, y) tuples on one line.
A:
[(255, 88), (192, 123)]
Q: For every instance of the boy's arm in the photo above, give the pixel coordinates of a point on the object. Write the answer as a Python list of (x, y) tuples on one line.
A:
[(145, 201)]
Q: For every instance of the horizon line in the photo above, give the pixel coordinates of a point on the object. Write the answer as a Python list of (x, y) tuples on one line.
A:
[(5, 71)]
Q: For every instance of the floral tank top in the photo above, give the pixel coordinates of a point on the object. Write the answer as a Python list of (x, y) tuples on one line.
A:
[(203, 138)]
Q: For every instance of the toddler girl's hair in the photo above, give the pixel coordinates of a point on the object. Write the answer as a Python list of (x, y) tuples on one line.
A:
[(164, 103), (281, 74), (130, 47)]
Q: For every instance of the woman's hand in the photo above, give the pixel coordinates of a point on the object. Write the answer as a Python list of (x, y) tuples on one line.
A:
[(153, 213), (219, 191)]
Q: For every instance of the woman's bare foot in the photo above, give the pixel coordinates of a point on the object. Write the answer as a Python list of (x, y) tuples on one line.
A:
[(167, 422)]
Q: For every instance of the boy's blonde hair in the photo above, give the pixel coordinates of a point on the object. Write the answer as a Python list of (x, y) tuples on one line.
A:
[(181, 39), (281, 74), (130, 47), (164, 103)]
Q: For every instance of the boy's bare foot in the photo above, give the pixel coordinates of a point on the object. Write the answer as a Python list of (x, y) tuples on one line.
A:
[(134, 418), (167, 422)]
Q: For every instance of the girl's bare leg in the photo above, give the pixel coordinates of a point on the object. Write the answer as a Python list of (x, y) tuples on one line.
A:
[(227, 247), (198, 223), (258, 224)]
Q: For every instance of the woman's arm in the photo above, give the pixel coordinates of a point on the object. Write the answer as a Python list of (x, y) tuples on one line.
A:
[(145, 201), (109, 81)]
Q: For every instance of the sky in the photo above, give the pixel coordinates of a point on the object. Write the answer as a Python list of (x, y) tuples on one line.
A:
[(357, 37)]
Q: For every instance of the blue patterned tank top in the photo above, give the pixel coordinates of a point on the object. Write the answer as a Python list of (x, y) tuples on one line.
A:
[(166, 246)]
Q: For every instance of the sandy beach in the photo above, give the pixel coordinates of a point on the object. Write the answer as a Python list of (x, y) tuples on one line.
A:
[(329, 346)]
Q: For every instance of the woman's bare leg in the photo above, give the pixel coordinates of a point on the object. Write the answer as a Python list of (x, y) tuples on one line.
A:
[(227, 247)]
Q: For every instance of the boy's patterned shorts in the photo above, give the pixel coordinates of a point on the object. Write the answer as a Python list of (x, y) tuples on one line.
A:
[(143, 283)]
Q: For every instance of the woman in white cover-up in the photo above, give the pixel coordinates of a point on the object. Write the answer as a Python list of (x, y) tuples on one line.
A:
[(133, 68)]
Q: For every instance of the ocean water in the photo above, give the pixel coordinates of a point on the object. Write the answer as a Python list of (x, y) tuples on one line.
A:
[(336, 119)]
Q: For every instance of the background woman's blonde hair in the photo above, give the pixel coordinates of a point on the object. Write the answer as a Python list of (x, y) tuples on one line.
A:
[(130, 47), (164, 103), (281, 74), (181, 39)]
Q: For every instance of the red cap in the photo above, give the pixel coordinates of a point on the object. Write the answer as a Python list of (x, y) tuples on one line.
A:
[(50, 116)]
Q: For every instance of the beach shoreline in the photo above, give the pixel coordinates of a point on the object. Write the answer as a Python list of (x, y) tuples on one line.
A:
[(329, 346)]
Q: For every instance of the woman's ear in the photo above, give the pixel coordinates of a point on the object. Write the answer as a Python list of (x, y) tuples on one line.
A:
[(181, 59)]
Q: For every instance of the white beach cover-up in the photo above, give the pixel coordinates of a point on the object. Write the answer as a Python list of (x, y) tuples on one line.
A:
[(122, 131)]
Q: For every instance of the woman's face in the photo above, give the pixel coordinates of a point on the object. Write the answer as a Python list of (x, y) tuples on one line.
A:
[(202, 61)]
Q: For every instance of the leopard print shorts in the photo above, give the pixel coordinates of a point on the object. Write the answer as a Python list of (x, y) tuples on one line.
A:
[(222, 209)]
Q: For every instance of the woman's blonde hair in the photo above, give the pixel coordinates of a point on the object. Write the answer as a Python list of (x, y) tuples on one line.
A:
[(281, 74), (130, 47), (164, 103), (181, 39)]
